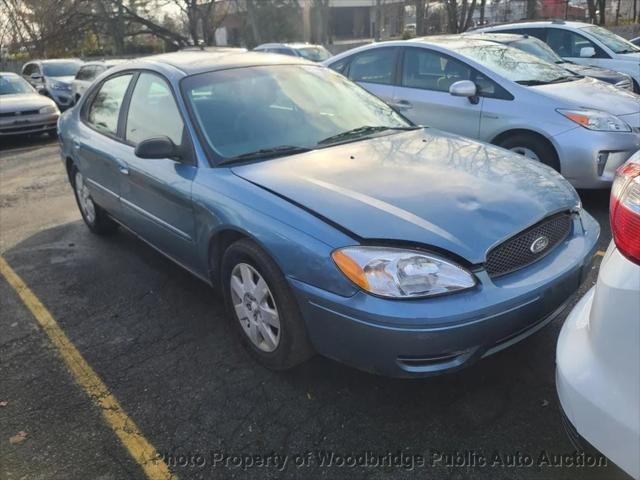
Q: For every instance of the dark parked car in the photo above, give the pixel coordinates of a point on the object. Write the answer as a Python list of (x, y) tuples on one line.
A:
[(538, 48), (330, 223)]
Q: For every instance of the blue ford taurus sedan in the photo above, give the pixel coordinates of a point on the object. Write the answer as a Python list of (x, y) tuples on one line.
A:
[(330, 223)]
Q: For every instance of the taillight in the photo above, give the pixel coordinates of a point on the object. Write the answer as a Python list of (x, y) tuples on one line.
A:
[(624, 210)]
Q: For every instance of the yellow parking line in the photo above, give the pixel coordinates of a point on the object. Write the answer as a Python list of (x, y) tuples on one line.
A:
[(600, 253), (127, 431)]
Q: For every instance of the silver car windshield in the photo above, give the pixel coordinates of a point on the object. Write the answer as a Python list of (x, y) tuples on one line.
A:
[(61, 69), (516, 65), (253, 109), (611, 40), (11, 85)]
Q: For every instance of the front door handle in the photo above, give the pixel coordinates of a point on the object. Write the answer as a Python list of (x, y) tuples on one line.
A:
[(402, 105), (77, 145), (123, 169)]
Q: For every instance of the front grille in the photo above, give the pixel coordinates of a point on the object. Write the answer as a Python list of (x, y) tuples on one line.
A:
[(518, 252), (15, 114)]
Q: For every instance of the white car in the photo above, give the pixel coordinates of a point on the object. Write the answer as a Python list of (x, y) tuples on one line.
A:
[(582, 43), (598, 353), (87, 73)]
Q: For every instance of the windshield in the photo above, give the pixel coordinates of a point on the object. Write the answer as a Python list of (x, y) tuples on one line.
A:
[(515, 65), (315, 54), (244, 110), (61, 69), (10, 85), (537, 48), (611, 40)]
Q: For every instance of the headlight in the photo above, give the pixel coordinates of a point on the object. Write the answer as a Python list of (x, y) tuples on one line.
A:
[(59, 86), (596, 120), (48, 109), (400, 273)]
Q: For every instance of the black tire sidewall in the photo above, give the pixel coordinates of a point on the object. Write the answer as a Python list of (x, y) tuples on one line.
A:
[(293, 347)]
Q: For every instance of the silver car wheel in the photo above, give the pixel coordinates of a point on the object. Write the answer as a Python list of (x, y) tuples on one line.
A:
[(84, 199), (255, 307), (527, 152)]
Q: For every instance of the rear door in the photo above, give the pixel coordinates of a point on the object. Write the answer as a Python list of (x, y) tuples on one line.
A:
[(156, 197), (423, 92), (375, 70), (97, 146)]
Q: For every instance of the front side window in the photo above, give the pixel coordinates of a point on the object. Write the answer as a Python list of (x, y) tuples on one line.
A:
[(153, 111), (244, 110), (105, 108), (85, 73), (430, 70), (374, 66), (568, 44)]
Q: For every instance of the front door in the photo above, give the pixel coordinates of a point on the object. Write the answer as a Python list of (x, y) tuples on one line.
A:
[(375, 70), (423, 92), (156, 197)]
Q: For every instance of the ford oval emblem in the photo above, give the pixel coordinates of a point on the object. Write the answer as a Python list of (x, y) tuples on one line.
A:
[(539, 244)]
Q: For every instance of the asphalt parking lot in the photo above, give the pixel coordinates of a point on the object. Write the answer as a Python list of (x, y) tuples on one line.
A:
[(159, 340)]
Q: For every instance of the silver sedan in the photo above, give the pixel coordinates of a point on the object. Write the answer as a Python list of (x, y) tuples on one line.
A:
[(23, 110), (582, 127)]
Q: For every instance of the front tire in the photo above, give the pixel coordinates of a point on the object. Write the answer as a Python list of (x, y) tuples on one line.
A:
[(263, 311), (532, 147), (93, 215)]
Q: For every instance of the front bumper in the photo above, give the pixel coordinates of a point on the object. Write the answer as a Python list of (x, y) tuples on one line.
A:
[(416, 338), (28, 124), (589, 159)]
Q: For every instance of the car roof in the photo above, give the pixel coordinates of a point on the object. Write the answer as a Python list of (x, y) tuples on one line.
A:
[(290, 45), (109, 62), (56, 60), (505, 38), (540, 23), (450, 41), (192, 62)]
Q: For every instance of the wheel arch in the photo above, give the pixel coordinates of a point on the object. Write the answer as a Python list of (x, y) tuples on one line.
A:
[(525, 131)]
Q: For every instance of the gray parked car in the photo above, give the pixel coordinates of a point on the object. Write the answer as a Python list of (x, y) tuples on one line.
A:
[(580, 126), (538, 48), (315, 53), (23, 110), (53, 78)]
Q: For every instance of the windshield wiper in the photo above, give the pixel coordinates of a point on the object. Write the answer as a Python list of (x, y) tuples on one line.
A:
[(265, 153), (360, 132), (566, 78)]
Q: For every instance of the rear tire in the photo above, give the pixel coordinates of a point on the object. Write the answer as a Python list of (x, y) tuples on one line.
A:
[(263, 311), (533, 147), (93, 215)]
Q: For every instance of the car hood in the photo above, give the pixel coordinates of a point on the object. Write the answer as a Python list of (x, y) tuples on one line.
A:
[(604, 74), (594, 94), (631, 57), (23, 101), (66, 79), (423, 186)]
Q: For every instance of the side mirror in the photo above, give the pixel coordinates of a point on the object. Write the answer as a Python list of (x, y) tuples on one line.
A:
[(157, 147), (36, 77), (587, 52), (465, 88)]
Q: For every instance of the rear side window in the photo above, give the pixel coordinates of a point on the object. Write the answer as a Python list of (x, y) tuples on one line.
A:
[(153, 111), (104, 110), (374, 66)]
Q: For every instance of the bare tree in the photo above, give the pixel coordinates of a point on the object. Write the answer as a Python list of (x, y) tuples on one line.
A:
[(420, 14)]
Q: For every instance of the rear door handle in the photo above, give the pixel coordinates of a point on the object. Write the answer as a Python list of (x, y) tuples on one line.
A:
[(123, 170), (77, 145)]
